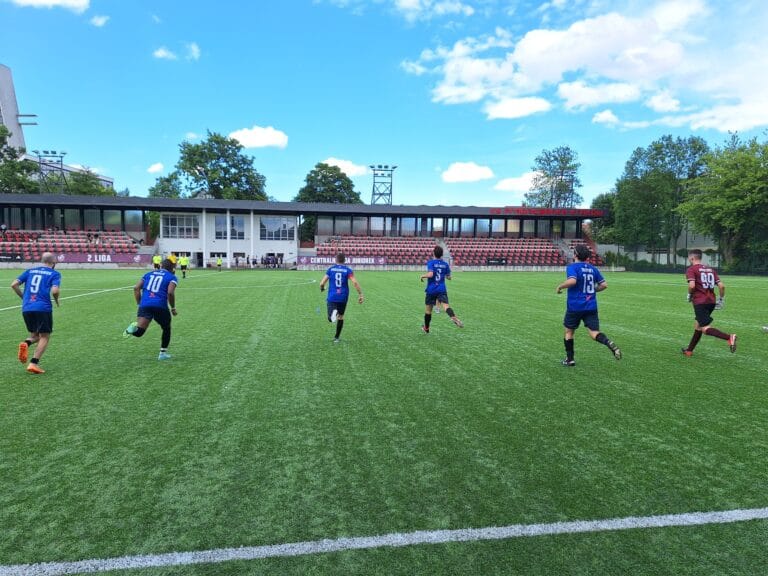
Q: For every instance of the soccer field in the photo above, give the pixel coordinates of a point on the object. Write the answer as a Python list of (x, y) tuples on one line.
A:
[(261, 432)]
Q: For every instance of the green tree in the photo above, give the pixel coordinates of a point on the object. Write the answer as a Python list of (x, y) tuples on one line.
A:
[(325, 183), (604, 229), (16, 173), (652, 187), (167, 187), (86, 183), (729, 202), (556, 179), (217, 167)]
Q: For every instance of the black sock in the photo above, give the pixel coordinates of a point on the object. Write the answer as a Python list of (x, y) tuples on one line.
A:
[(29, 342), (34, 360), (339, 326), (139, 332), (568, 348), (694, 339), (450, 312), (427, 320)]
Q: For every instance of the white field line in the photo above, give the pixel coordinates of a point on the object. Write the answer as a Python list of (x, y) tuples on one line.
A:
[(76, 296), (394, 540), (102, 291)]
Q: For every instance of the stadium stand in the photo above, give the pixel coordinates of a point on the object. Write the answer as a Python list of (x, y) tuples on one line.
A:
[(460, 251), (29, 245), (504, 252), (397, 250)]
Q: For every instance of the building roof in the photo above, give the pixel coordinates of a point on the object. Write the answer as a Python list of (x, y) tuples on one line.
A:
[(293, 208)]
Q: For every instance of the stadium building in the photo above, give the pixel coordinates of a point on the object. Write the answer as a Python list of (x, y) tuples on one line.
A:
[(84, 230)]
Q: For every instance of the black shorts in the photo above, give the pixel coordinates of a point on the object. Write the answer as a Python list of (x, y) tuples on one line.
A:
[(703, 313), (340, 308), (38, 322), (432, 299), (589, 317), (160, 315), (183, 266)]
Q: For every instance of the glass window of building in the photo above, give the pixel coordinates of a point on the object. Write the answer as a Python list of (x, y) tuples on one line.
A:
[(325, 225), (513, 228), (467, 227), (497, 228), (543, 229), (529, 228), (72, 219), (277, 228), (112, 220), (220, 226), (180, 226), (360, 226), (408, 226), (377, 226), (570, 229), (343, 225), (437, 226), (483, 228), (237, 227), (135, 223), (91, 219)]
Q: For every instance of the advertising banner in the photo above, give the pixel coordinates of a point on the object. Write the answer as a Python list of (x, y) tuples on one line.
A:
[(351, 260)]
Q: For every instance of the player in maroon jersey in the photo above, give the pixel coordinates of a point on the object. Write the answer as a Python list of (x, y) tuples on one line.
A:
[(702, 281)]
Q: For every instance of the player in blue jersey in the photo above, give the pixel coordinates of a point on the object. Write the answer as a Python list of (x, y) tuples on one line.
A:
[(154, 293), (338, 278), (583, 282), (438, 271), (40, 283)]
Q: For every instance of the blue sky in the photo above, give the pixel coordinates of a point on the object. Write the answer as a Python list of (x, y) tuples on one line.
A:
[(461, 95)]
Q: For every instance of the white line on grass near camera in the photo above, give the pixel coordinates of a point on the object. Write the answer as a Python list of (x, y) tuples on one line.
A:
[(394, 540)]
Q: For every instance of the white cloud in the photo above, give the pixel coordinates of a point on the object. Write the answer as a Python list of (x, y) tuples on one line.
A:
[(676, 14), (156, 19), (163, 53), (413, 10), (466, 172), (258, 137), (193, 51), (578, 95), (663, 102), (605, 117), (347, 166), (519, 184), (191, 136), (99, 21), (511, 108), (78, 6), (156, 168)]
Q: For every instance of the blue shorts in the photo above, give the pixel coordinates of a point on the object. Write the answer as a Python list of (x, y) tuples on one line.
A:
[(432, 299), (589, 317), (38, 322), (340, 308)]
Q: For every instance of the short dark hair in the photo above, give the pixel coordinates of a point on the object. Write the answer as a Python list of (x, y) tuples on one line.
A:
[(340, 258), (167, 265), (696, 253), (582, 252), (438, 251)]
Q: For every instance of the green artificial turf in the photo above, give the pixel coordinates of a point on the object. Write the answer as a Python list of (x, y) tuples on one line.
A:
[(262, 431)]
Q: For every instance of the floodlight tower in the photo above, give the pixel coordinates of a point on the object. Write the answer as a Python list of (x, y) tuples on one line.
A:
[(51, 176), (382, 183)]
